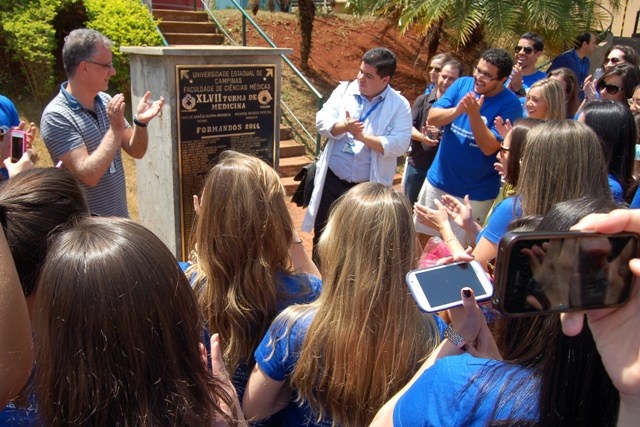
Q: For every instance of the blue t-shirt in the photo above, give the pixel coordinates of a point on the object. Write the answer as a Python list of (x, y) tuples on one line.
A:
[(616, 189), (278, 360), (460, 167), (635, 203), (292, 286), (506, 211), (468, 391)]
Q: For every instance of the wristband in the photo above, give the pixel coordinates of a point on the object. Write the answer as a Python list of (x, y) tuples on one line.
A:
[(454, 337), (139, 123)]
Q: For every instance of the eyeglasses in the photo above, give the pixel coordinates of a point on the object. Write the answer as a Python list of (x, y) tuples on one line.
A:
[(107, 65), (504, 149), (614, 60), (611, 89), (482, 75), (527, 49), (436, 69)]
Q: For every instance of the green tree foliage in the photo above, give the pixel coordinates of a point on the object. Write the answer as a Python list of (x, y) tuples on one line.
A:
[(30, 38), (28, 27), (499, 22), (126, 23)]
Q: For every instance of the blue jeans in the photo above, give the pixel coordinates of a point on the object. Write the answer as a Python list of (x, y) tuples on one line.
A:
[(414, 178)]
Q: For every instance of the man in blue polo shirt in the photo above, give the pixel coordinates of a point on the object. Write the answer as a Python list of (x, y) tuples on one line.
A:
[(470, 142), (577, 59), (84, 129)]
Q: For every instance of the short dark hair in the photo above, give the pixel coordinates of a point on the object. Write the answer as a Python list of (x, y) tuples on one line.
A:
[(538, 43), (454, 63), (382, 59), (501, 59), (582, 38)]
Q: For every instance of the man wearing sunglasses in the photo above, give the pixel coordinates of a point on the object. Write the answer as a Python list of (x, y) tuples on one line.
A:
[(464, 162), (577, 59), (84, 129), (525, 73)]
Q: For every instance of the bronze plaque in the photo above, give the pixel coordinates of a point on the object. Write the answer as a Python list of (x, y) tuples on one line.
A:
[(221, 107)]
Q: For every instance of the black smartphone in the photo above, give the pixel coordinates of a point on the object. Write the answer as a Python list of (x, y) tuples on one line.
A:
[(540, 272), (438, 288)]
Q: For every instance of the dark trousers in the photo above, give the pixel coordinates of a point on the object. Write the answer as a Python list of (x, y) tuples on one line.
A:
[(334, 187)]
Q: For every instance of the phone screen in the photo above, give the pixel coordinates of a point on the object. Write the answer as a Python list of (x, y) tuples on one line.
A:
[(568, 273), (17, 142), (443, 285)]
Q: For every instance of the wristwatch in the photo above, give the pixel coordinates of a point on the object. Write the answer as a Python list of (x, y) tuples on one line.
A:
[(454, 337)]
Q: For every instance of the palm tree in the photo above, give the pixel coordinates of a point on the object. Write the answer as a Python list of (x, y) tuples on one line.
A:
[(498, 22)]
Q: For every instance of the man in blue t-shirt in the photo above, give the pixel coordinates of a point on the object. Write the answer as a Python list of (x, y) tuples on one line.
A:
[(577, 59), (467, 152), (525, 73)]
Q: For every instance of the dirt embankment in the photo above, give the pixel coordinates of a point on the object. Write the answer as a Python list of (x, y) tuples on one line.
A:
[(338, 44)]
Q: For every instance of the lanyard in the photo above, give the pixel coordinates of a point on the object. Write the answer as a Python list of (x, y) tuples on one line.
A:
[(371, 110)]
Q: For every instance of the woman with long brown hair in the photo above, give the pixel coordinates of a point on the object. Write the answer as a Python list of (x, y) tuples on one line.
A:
[(353, 348), (248, 264), (117, 334)]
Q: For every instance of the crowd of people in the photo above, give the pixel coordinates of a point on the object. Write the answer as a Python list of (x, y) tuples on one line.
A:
[(101, 325)]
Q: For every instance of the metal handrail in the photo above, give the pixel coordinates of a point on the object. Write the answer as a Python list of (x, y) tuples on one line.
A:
[(245, 17)]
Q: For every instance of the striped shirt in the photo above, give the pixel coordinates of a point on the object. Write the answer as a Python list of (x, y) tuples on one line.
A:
[(66, 125)]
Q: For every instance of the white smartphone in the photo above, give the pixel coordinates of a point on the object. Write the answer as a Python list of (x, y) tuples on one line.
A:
[(18, 144), (438, 288)]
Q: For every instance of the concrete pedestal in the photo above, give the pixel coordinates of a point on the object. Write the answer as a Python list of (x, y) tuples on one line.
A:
[(216, 98)]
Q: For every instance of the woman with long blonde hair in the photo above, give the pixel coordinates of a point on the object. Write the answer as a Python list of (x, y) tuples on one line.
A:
[(248, 264), (359, 343), (545, 100)]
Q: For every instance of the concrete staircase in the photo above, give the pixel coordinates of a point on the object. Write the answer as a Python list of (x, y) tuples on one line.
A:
[(187, 27)]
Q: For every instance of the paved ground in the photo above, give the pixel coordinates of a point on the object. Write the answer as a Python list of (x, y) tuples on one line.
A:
[(297, 214)]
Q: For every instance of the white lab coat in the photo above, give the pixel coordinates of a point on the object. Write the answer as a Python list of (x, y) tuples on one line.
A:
[(392, 124)]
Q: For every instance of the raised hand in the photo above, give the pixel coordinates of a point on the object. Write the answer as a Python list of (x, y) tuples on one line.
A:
[(147, 110)]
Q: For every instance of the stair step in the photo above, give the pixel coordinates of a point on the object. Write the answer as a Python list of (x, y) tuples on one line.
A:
[(285, 132), (180, 15), (289, 185), (290, 166), (187, 27), (191, 39), (291, 148)]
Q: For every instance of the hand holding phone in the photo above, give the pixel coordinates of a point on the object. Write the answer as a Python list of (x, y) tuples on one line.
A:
[(438, 288), (539, 273), (18, 143)]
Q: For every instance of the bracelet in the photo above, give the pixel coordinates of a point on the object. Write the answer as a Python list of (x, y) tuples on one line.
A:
[(455, 338), (139, 123), (450, 240)]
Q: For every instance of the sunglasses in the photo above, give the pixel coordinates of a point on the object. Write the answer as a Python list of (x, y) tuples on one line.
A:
[(611, 89), (614, 60), (527, 49), (504, 149), (436, 69)]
